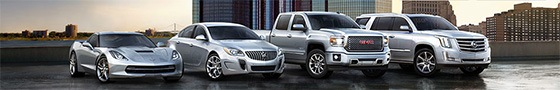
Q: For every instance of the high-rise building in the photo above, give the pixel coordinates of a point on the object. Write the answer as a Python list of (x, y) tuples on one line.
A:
[(480, 28), (71, 30), (434, 7), (525, 23), (353, 8), (236, 11), (264, 13)]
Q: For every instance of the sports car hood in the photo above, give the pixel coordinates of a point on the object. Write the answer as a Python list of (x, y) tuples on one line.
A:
[(145, 54), (454, 33), (249, 45), (350, 31)]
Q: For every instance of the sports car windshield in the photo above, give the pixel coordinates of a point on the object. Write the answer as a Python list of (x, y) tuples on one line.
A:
[(121, 40), (432, 23), (331, 21), (231, 32)]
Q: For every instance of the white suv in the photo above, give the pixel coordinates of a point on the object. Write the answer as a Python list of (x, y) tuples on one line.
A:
[(427, 43)]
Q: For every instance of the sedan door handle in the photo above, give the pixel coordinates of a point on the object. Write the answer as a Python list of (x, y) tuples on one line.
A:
[(190, 44), (289, 35)]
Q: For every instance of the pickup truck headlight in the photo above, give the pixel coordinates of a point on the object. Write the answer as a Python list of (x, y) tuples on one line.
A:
[(386, 40), (118, 55), (174, 55), (337, 41), (234, 52), (444, 41)]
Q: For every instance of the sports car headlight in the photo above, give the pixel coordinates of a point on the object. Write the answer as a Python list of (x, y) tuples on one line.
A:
[(234, 52), (444, 41), (118, 55), (174, 55), (336, 41)]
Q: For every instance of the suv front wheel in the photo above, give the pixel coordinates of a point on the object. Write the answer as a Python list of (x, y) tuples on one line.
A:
[(316, 64), (425, 62)]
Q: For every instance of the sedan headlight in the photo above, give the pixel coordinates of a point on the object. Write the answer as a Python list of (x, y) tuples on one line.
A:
[(280, 51), (444, 41), (175, 55), (336, 41), (118, 55), (234, 52)]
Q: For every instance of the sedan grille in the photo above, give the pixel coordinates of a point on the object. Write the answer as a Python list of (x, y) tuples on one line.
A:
[(261, 55), (472, 45), (364, 43), (150, 69)]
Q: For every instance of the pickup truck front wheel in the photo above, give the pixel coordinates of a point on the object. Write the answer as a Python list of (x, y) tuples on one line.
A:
[(425, 62), (316, 65)]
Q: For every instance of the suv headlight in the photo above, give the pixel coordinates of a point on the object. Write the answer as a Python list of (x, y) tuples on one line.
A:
[(336, 41), (444, 41), (118, 55), (234, 52), (174, 55)]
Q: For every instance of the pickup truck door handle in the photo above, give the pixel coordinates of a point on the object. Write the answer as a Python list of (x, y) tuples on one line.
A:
[(273, 35), (289, 35)]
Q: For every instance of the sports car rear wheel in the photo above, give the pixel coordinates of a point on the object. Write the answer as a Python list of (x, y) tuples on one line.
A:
[(102, 70), (74, 66), (214, 67)]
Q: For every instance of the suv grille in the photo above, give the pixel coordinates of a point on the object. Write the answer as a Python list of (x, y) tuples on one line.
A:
[(472, 45), (261, 55), (364, 43)]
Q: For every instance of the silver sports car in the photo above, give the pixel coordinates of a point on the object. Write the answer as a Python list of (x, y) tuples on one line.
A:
[(227, 49), (124, 55)]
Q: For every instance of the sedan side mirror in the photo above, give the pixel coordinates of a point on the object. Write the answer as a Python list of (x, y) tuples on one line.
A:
[(200, 37), (160, 44), (87, 45), (298, 27)]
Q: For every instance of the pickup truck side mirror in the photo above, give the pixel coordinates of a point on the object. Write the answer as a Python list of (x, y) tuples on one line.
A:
[(87, 45), (298, 27), (160, 44), (405, 28), (200, 37)]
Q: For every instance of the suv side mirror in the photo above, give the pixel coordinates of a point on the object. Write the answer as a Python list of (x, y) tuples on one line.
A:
[(405, 28), (160, 44), (200, 37), (298, 27), (86, 44)]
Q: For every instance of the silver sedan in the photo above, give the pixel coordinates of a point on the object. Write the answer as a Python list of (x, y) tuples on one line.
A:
[(111, 55), (227, 49)]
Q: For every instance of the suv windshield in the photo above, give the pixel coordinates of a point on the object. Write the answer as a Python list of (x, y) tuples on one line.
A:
[(432, 23), (121, 40), (331, 21), (231, 32)]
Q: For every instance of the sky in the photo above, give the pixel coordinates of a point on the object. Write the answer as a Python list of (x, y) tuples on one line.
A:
[(134, 15)]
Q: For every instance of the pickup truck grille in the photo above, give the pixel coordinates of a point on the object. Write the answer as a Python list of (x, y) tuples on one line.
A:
[(261, 55), (472, 45), (364, 43)]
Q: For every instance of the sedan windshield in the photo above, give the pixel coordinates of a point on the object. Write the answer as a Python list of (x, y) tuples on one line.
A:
[(231, 32), (121, 40), (432, 23), (331, 21)]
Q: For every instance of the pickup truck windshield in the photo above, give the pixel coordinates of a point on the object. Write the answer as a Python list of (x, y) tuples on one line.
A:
[(232, 32), (432, 23), (331, 21), (121, 40)]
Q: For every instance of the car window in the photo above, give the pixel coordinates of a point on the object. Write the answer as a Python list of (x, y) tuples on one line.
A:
[(298, 19), (432, 23), (398, 22), (232, 32), (94, 41), (331, 21), (123, 40), (283, 22), (199, 31), (362, 21), (382, 23), (187, 32)]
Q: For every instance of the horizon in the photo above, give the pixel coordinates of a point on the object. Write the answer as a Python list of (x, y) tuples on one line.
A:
[(139, 15)]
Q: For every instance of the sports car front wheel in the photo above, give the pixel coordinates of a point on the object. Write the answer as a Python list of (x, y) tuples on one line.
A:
[(74, 66), (102, 70)]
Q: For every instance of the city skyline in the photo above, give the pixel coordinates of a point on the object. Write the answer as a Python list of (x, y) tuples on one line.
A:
[(134, 15)]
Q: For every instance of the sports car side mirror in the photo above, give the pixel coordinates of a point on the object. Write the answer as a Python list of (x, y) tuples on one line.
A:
[(160, 44), (87, 45)]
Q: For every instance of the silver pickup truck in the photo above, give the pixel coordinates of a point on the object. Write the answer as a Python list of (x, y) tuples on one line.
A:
[(427, 43), (325, 41)]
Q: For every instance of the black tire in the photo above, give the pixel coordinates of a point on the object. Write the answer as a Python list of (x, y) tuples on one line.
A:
[(405, 66), (103, 79), (74, 72), (325, 73), (272, 75), (218, 72), (430, 62), (375, 73), (472, 70)]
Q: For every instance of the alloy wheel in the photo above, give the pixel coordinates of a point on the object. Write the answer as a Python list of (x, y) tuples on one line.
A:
[(317, 63), (102, 70), (425, 62), (213, 67)]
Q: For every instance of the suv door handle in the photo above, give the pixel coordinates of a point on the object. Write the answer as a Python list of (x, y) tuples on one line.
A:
[(289, 35)]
